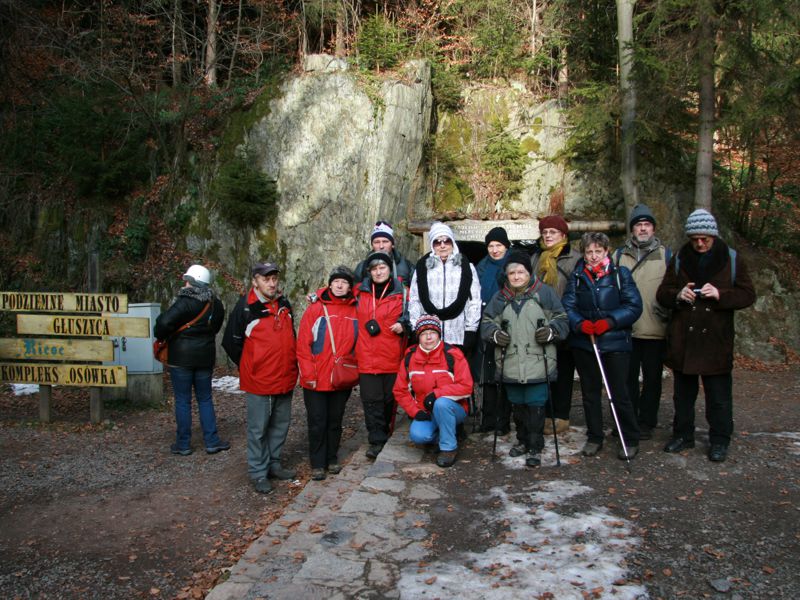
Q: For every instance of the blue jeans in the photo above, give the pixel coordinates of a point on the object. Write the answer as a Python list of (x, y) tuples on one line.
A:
[(447, 414), (183, 378), (268, 419)]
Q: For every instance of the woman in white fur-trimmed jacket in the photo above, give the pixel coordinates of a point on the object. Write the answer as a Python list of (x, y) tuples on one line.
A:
[(445, 284)]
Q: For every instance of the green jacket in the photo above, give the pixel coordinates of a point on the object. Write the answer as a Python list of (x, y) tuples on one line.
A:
[(520, 316)]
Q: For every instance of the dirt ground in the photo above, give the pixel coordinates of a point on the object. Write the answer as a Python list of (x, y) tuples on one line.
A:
[(107, 512)]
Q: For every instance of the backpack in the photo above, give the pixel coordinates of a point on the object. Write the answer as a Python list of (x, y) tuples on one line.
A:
[(451, 362)]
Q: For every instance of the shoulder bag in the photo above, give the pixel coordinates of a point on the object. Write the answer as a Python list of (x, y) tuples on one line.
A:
[(344, 374), (161, 347)]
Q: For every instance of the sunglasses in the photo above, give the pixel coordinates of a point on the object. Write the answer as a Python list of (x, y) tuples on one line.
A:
[(443, 242)]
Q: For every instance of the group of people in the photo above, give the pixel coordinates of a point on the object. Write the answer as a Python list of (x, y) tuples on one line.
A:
[(519, 324)]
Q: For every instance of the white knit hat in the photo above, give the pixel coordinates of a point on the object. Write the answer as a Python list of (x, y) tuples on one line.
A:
[(438, 230), (701, 222)]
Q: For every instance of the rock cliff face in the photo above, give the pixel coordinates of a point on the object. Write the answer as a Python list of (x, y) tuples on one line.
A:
[(341, 160)]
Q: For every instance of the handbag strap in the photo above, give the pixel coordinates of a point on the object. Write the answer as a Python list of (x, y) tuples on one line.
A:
[(330, 329), (192, 322)]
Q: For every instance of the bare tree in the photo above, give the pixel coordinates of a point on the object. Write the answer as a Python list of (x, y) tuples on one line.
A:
[(630, 190), (705, 140), (210, 71)]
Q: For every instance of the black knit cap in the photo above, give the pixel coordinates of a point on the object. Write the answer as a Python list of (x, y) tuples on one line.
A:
[(378, 257), (342, 272), (520, 258), (498, 234), (641, 213)]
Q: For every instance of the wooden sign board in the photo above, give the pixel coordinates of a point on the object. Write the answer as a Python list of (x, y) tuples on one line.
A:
[(56, 349), (83, 326), (63, 302), (64, 374)]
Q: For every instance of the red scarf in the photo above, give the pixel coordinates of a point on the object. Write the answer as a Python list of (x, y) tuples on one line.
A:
[(599, 270)]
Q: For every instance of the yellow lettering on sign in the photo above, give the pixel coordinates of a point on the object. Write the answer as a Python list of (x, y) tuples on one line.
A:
[(77, 375)]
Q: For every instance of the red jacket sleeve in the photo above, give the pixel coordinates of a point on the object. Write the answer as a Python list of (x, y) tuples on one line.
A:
[(401, 392)]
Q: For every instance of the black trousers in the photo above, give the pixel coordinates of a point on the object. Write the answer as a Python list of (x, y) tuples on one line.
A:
[(719, 406), (615, 365), (379, 405), (496, 411), (325, 412), (647, 355), (561, 388)]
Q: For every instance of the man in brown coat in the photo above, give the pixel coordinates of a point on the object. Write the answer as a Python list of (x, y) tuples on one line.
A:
[(704, 283)]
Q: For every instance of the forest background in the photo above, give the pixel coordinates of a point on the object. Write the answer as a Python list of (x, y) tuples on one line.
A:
[(109, 110)]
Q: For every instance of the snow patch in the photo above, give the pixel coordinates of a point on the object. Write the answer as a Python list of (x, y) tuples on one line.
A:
[(227, 384), (570, 444), (544, 552), (23, 389)]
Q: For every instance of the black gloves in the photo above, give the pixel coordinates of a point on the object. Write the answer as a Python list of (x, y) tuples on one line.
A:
[(428, 402), (501, 338), (544, 335), (422, 416), (470, 339)]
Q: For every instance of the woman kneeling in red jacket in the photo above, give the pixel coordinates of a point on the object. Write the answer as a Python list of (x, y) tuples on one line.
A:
[(433, 386)]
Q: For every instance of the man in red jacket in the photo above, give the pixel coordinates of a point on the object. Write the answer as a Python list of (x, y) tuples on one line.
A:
[(260, 339), (433, 386)]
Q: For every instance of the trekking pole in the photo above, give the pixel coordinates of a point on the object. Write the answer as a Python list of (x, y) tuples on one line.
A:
[(611, 401), (540, 323), (497, 407)]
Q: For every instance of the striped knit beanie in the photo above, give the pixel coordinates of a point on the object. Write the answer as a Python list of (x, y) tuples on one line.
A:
[(426, 322), (384, 230), (701, 222)]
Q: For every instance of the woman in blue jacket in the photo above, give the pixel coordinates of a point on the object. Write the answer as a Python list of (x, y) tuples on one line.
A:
[(602, 303)]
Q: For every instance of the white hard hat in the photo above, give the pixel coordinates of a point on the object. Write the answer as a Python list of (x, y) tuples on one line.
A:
[(198, 275)]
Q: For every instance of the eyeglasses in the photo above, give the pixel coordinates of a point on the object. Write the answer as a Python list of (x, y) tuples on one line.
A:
[(443, 242)]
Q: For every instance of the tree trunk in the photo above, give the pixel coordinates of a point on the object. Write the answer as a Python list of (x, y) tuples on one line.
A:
[(704, 172), (630, 192), (235, 46), (210, 72), (176, 28), (341, 28)]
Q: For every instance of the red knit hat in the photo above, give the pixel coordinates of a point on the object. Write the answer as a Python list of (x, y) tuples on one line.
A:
[(554, 222)]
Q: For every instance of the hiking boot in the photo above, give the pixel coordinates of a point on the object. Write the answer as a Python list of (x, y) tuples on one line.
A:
[(181, 451), (334, 468), (278, 472), (518, 450), (373, 451), (534, 459), (632, 452), (218, 447), (318, 474), (677, 444), (591, 448), (262, 486), (446, 458), (717, 452)]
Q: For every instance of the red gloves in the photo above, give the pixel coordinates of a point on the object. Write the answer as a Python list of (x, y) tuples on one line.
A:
[(596, 328), (601, 326)]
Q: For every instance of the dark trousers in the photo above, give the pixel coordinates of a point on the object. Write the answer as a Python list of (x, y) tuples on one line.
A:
[(561, 388), (379, 405), (496, 411), (615, 365), (719, 406), (647, 355), (325, 412)]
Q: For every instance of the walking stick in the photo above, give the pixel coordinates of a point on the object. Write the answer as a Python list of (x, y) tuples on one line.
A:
[(499, 392), (611, 401), (540, 323)]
